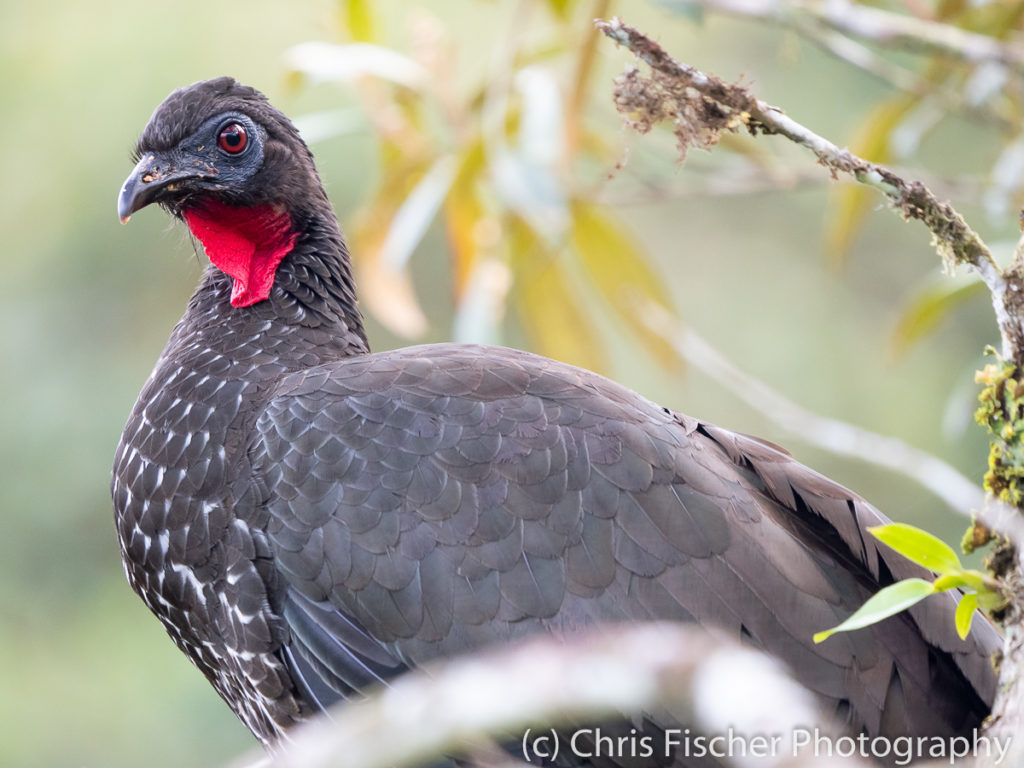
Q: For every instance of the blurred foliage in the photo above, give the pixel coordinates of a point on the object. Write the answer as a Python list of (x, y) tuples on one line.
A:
[(929, 87), (502, 163), (733, 240)]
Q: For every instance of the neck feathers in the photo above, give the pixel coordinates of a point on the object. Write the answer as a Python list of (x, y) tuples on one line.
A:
[(279, 268)]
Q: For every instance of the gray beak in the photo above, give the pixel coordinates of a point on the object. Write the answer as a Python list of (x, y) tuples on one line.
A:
[(151, 176)]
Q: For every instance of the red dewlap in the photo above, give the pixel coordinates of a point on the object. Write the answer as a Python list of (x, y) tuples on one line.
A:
[(245, 243)]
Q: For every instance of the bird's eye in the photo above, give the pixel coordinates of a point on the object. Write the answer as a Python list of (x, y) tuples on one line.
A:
[(232, 138)]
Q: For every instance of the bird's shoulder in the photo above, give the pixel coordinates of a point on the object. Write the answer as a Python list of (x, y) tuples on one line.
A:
[(472, 371), (470, 404)]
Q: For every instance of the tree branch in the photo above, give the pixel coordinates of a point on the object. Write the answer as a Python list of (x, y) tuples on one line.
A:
[(892, 30), (704, 106), (700, 680), (833, 26)]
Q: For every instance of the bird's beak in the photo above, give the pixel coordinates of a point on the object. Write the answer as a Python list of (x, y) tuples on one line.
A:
[(151, 176)]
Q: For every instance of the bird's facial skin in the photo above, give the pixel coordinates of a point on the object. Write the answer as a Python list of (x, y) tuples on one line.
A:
[(215, 161), (209, 179)]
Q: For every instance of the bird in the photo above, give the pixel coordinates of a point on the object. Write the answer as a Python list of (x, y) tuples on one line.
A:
[(309, 519)]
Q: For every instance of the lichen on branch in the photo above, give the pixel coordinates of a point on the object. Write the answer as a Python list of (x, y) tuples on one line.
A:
[(1001, 413)]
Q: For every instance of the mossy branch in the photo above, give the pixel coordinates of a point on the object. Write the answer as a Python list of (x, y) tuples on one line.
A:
[(703, 106)]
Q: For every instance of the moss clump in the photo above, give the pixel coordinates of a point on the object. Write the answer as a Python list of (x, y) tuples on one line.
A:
[(976, 536), (1001, 412)]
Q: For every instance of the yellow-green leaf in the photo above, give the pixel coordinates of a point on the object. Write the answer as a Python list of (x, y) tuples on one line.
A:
[(622, 274), (949, 581), (561, 8), (359, 21), (548, 305), (920, 546), (976, 581), (469, 228), (883, 604), (386, 287), (854, 200), (964, 614), (417, 211), (929, 304), (991, 600), (479, 314)]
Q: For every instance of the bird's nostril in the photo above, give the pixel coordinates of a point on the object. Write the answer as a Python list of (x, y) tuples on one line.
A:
[(151, 176)]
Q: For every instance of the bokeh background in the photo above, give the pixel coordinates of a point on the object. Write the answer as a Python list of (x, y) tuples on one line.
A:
[(87, 676)]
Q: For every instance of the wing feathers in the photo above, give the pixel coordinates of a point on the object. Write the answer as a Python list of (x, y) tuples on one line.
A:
[(428, 500)]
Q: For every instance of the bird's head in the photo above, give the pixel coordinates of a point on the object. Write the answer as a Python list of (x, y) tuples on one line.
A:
[(219, 156)]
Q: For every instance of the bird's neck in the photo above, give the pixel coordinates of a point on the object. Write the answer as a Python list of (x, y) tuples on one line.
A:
[(281, 279)]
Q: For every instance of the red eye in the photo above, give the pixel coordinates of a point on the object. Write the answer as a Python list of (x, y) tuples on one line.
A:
[(232, 138)]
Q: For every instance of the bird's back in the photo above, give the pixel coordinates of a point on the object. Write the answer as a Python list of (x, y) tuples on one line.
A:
[(444, 497)]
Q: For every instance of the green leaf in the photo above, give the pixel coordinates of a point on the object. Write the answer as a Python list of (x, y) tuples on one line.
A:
[(359, 20), (929, 304), (885, 603), (977, 581), (920, 546), (950, 581), (526, 175), (320, 126), (964, 614), (481, 309)]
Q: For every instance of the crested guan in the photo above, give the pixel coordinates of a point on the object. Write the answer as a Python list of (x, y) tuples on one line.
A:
[(308, 518)]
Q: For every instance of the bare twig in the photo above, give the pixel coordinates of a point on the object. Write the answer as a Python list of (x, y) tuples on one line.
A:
[(722, 106), (833, 25), (834, 435), (892, 30), (749, 181), (706, 682), (863, 58)]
